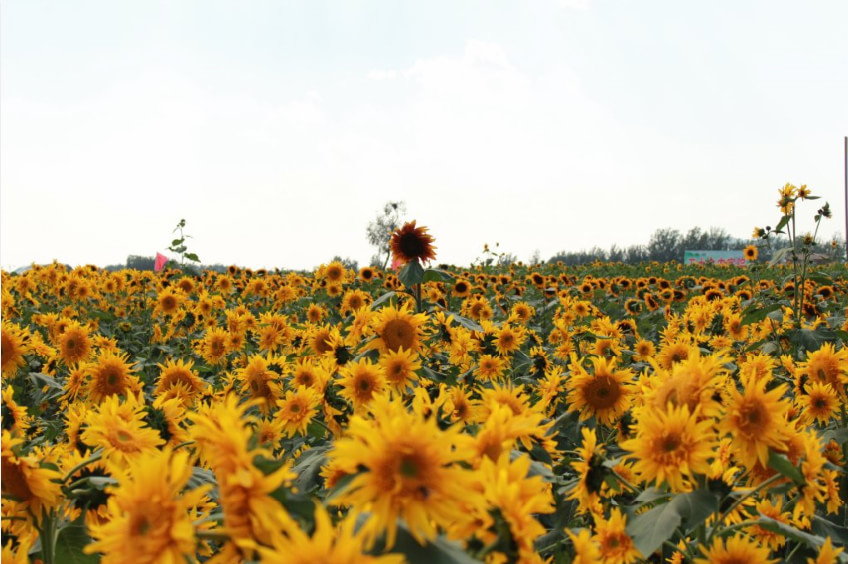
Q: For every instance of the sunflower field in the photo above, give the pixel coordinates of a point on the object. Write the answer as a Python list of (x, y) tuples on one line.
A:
[(524, 413)]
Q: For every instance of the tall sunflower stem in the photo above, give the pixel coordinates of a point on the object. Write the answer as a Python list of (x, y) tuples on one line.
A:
[(418, 297), (739, 502)]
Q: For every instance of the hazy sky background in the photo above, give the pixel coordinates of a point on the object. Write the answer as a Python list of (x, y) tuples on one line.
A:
[(278, 130)]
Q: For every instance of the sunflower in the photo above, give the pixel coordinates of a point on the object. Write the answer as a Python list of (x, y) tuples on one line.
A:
[(168, 302), (820, 402), (344, 543), (509, 339), (671, 446), (827, 554), (490, 367), (590, 471), (786, 202), (306, 373), (213, 346), (111, 375), (353, 300), (13, 347), (259, 381), (756, 421), (366, 273), (318, 339), (411, 243), (397, 328), (751, 253), (296, 410), (251, 515), (120, 430), (74, 344), (15, 417), (604, 394), (178, 378), (400, 368), (615, 544), (25, 480), (517, 496), (674, 352), (410, 469), (828, 366), (361, 381), (586, 550), (461, 288), (150, 513), (736, 549), (643, 350)]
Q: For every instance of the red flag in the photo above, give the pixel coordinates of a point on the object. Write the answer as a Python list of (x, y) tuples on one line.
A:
[(161, 260)]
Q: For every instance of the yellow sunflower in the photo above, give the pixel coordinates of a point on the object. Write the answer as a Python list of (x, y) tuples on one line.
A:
[(671, 446), (119, 429), (177, 378), (400, 368), (344, 543), (75, 344), (361, 381), (615, 544), (737, 548), (13, 347), (396, 328), (756, 420), (25, 481), (111, 374), (410, 469), (296, 410), (604, 394), (150, 516)]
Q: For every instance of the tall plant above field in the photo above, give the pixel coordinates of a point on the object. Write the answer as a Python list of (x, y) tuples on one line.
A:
[(798, 256)]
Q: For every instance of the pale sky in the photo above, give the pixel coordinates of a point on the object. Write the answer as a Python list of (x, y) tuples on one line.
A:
[(279, 129)]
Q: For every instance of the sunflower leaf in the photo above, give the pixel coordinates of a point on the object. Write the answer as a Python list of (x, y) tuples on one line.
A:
[(782, 465), (70, 542), (813, 541), (384, 298), (652, 528), (758, 315), (411, 274)]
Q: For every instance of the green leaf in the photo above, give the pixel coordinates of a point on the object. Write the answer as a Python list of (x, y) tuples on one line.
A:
[(308, 467), (177, 242), (825, 528), (778, 256), (191, 256), (651, 494), (411, 274), (652, 528), (758, 315), (784, 221), (814, 541), (201, 476), (436, 275), (781, 464), (70, 542), (695, 507), (382, 299)]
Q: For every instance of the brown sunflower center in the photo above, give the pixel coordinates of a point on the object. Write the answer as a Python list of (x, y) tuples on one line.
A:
[(398, 333)]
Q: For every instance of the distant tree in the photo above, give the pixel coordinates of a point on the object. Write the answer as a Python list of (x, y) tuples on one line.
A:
[(664, 245), (136, 262), (380, 230)]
